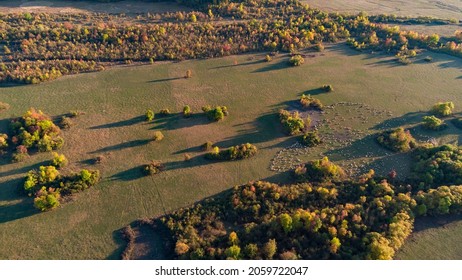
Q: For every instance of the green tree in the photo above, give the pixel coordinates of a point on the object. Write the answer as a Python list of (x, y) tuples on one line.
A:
[(269, 249), (233, 252), (286, 222)]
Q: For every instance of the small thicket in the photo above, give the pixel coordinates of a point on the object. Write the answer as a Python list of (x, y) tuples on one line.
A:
[(327, 88), (433, 123), (158, 136), (319, 171), (3, 141), (47, 185), (291, 122), (149, 115), (311, 139), (164, 112), (154, 167), (187, 111), (309, 102), (36, 130), (296, 60), (242, 151), (59, 160), (215, 114), (207, 146), (65, 122), (442, 109), (397, 140)]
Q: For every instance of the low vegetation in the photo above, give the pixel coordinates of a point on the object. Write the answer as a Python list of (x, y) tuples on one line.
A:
[(397, 140), (309, 102), (443, 109), (154, 167), (215, 114), (296, 60), (291, 122), (48, 186), (433, 123), (322, 170), (311, 139), (242, 151)]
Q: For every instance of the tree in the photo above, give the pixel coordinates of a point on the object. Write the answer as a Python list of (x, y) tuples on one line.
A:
[(442, 109), (233, 252), (59, 160), (269, 249), (187, 111), (181, 248), (334, 245), (47, 199), (296, 60), (188, 74), (433, 123), (149, 115), (158, 136), (286, 222), (311, 139), (233, 239)]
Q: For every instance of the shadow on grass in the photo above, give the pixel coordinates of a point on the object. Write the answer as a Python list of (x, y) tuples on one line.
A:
[(404, 120), (365, 147), (429, 222), (177, 121), (264, 129), (129, 122), (280, 65), (315, 91), (129, 174), (24, 169), (238, 65), (121, 243), (9, 191), (165, 80), (125, 145)]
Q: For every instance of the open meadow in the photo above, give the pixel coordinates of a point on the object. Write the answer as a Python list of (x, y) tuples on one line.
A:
[(372, 93)]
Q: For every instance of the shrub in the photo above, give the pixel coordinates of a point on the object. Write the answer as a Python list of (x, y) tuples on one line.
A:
[(99, 159), (75, 113), (433, 123), (20, 154), (188, 74), (319, 171), (164, 112), (207, 146), (153, 167), (216, 114), (397, 140), (296, 60), (187, 157), (4, 106), (327, 88), (59, 161), (90, 178), (65, 122), (319, 47), (310, 102), (149, 115), (311, 139), (442, 109), (187, 111), (36, 130), (291, 122), (158, 136), (47, 199), (268, 58), (242, 151), (3, 141)]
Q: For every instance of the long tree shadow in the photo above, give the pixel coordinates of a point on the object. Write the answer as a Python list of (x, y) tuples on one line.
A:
[(239, 65), (129, 174), (365, 147), (16, 211), (264, 129), (9, 190), (23, 169), (280, 65), (165, 80), (125, 145), (411, 118), (177, 121), (123, 123)]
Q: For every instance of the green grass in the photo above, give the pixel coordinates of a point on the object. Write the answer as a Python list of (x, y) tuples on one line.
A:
[(116, 100)]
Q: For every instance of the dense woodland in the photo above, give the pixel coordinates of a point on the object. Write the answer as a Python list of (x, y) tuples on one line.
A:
[(40, 47), (323, 216)]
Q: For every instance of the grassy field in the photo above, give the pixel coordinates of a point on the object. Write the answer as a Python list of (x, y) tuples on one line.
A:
[(62, 6), (373, 91), (440, 9)]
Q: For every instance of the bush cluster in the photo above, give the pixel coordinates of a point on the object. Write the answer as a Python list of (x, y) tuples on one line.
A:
[(242, 151), (309, 102), (47, 185), (292, 122), (215, 114), (397, 140)]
